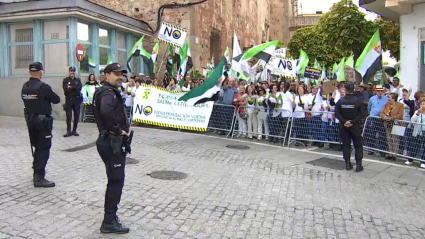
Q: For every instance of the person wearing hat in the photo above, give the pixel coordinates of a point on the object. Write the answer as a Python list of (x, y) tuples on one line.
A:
[(112, 123), (72, 89), (349, 111), (374, 124), (38, 97)]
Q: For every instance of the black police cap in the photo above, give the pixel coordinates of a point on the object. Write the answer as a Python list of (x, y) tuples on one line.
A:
[(36, 66), (349, 86), (72, 68), (114, 67)]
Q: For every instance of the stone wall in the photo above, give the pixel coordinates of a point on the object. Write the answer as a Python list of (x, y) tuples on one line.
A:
[(222, 17)]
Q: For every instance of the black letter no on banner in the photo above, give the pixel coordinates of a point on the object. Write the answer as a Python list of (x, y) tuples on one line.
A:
[(284, 63)]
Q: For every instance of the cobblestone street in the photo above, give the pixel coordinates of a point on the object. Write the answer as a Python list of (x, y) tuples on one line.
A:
[(262, 192)]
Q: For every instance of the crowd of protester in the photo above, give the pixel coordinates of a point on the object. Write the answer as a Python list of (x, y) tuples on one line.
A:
[(266, 110)]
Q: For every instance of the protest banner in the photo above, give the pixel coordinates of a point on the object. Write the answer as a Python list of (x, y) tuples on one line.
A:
[(158, 106), (350, 74), (329, 86), (172, 34), (279, 65), (312, 73)]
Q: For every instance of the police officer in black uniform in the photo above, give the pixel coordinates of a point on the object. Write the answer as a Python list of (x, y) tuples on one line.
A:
[(111, 120), (37, 97), (72, 89), (349, 111)]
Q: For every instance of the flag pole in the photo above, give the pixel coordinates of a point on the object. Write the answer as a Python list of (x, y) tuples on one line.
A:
[(162, 61)]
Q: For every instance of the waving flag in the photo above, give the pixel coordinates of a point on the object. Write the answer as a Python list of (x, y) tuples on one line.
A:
[(183, 64), (92, 64), (370, 61), (302, 62), (262, 51), (207, 91)]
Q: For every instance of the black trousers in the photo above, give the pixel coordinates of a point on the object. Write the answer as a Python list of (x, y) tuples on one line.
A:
[(115, 166), (353, 133), (41, 140), (73, 104)]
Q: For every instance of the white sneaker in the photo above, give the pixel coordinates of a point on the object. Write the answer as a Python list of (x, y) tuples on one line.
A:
[(422, 165), (408, 163)]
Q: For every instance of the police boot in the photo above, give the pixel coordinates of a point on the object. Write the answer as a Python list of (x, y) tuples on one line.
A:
[(348, 165), (359, 166), (114, 227), (74, 132), (41, 182), (68, 133)]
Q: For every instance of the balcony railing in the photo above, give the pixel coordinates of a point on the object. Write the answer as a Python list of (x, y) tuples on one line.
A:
[(303, 21)]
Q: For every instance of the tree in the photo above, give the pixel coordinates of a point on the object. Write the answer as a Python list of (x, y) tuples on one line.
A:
[(340, 32)]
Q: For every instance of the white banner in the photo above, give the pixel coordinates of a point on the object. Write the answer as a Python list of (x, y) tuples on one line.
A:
[(158, 106), (172, 34), (279, 65)]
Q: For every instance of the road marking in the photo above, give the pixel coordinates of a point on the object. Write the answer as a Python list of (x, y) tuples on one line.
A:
[(286, 148)]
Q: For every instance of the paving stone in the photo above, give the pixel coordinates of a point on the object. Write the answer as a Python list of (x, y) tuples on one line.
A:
[(228, 194)]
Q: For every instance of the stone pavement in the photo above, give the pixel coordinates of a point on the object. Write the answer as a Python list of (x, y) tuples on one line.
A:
[(262, 192)]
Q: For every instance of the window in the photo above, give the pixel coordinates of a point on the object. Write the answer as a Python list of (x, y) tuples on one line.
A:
[(21, 47), (121, 50), (55, 46), (104, 48), (84, 38), (215, 49)]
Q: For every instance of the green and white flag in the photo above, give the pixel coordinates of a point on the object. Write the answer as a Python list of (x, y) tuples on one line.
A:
[(154, 55), (183, 63), (370, 61), (209, 90), (263, 52), (92, 64), (316, 64), (227, 55), (350, 61), (302, 63), (334, 69), (340, 71), (135, 51), (109, 60)]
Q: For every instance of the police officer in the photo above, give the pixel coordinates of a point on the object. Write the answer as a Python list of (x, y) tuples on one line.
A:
[(37, 97), (349, 111), (72, 89), (111, 120)]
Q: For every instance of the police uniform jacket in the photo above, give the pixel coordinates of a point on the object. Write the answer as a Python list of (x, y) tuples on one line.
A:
[(38, 96), (109, 110), (349, 108), (75, 89)]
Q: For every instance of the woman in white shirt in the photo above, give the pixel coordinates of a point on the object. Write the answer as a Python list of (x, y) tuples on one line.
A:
[(173, 85), (301, 104), (287, 98), (262, 114), (329, 131), (274, 113), (251, 99), (316, 108), (418, 119)]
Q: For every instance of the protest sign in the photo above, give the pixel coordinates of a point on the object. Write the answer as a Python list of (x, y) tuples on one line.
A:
[(329, 86), (172, 34), (312, 73), (350, 74)]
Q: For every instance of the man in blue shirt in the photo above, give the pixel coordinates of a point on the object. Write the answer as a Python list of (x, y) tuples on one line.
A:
[(224, 107), (374, 124)]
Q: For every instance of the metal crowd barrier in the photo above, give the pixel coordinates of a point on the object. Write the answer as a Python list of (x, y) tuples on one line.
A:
[(222, 118), (256, 122), (396, 138), (314, 126), (129, 112), (88, 113)]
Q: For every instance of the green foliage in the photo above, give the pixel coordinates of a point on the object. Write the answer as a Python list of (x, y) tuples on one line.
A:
[(195, 75), (340, 32), (280, 45)]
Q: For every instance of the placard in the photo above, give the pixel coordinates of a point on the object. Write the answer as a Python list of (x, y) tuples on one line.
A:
[(350, 74), (158, 106), (329, 87), (172, 34), (312, 73), (279, 65)]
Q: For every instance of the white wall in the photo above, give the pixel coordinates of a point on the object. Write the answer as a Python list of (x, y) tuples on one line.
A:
[(411, 26)]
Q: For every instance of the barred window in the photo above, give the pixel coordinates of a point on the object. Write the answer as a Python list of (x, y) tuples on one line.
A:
[(24, 54)]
